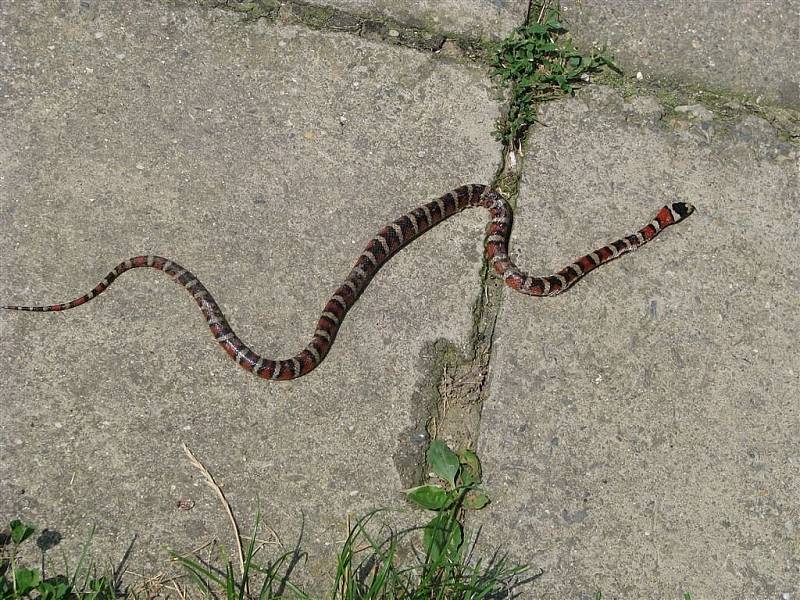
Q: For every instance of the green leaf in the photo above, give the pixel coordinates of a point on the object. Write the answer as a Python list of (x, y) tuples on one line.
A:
[(20, 531), (54, 590), (442, 537), (474, 500), (432, 497), (444, 461), (198, 571), (26, 580), (470, 467), (575, 61), (466, 479), (100, 588)]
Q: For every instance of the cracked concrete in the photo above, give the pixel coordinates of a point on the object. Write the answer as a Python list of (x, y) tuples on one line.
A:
[(639, 432), (746, 47), (476, 18), (263, 158)]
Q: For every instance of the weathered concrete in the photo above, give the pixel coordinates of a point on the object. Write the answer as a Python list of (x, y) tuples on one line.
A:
[(642, 433), (750, 46), (476, 18), (263, 158)]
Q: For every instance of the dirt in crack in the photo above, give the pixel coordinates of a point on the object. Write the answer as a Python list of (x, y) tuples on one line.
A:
[(462, 385), (448, 402)]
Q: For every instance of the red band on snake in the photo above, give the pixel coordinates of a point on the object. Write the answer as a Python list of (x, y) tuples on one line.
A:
[(379, 250)]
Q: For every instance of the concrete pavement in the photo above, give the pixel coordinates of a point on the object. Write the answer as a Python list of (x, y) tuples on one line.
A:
[(639, 433)]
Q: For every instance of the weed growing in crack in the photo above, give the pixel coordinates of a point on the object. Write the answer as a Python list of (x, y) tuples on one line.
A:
[(460, 490), (538, 63), (369, 564)]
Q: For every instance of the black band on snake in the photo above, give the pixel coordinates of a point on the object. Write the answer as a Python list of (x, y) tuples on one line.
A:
[(379, 250)]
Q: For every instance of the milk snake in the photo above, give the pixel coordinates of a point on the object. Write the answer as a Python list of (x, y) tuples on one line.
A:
[(379, 250)]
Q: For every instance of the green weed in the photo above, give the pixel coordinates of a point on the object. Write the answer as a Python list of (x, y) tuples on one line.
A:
[(460, 490), (18, 582), (444, 569), (374, 563), (270, 581), (369, 568), (369, 564), (538, 63)]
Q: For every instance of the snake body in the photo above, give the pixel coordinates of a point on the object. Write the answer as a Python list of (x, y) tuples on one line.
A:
[(379, 250)]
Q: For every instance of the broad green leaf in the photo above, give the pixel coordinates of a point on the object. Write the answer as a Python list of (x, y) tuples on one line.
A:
[(471, 465), (474, 500), (27, 579), (60, 590), (20, 531), (432, 497), (466, 479), (575, 61), (444, 461)]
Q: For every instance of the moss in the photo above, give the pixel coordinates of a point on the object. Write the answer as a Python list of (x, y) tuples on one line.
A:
[(316, 17), (727, 106), (251, 9)]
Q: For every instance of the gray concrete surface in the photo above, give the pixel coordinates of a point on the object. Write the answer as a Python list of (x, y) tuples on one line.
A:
[(263, 158), (476, 18), (641, 436), (748, 46)]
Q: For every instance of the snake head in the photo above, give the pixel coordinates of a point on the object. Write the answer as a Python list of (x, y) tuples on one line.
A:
[(682, 210)]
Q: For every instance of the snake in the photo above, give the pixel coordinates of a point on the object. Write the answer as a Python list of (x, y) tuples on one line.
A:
[(382, 247)]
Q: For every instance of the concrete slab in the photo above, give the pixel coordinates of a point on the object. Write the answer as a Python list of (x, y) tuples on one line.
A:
[(744, 46), (641, 438), (263, 158), (476, 18)]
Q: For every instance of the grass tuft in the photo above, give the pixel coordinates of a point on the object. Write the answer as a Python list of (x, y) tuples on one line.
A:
[(431, 562), (369, 564), (537, 63)]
